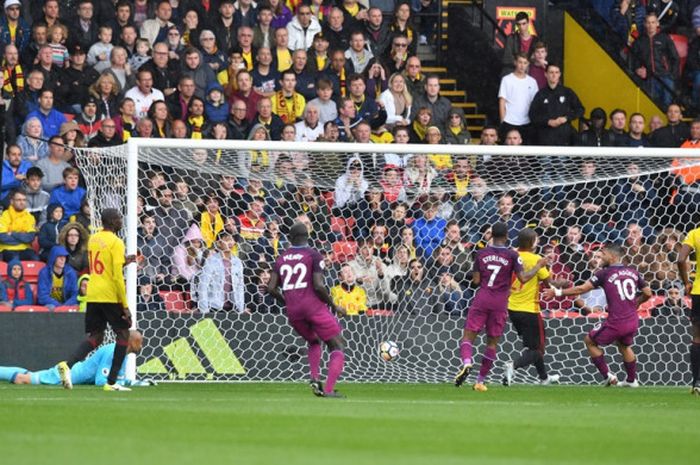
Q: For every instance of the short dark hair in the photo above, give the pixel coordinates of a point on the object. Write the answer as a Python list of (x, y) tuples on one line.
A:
[(35, 171), (499, 230), (522, 15), (526, 238), (616, 249)]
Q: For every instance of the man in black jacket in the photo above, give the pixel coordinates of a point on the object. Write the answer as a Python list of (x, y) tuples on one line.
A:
[(74, 82), (655, 60), (553, 109), (165, 72), (674, 133)]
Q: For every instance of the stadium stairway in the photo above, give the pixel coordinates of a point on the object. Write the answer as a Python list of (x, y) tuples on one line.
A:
[(448, 83)]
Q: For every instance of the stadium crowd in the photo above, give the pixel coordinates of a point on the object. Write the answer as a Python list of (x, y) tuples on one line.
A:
[(398, 231)]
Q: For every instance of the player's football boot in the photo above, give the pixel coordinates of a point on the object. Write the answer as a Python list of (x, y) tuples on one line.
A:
[(610, 381), (64, 374), (333, 395), (508, 377), (115, 387), (480, 387), (462, 375), (551, 379), (629, 384), (316, 387), (695, 390)]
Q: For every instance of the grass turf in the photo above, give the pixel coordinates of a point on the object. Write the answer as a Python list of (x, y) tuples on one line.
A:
[(377, 424)]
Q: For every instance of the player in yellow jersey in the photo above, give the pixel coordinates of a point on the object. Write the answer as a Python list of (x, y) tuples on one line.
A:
[(106, 299), (524, 312), (692, 244)]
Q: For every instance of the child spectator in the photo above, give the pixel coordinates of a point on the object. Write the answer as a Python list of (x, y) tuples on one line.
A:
[(99, 54), (188, 257), (347, 294), (83, 282), (212, 223), (14, 290), (148, 299), (57, 39), (70, 195), (58, 282), (37, 198), (49, 231), (216, 109), (141, 55)]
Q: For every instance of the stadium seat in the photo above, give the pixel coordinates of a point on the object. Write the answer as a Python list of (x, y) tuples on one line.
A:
[(379, 312), (644, 310), (344, 251), (35, 290), (66, 309), (32, 309), (5, 308), (3, 270), (175, 301), (328, 196), (35, 245), (31, 270), (681, 43)]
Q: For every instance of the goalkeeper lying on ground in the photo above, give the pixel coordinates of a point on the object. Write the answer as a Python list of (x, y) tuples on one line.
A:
[(92, 371)]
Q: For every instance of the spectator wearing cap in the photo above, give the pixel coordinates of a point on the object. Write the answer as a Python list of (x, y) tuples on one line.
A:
[(211, 55), (224, 27), (37, 198), (87, 120), (13, 28), (596, 135), (156, 29), (51, 119), (302, 29), (143, 94), (84, 29), (74, 82)]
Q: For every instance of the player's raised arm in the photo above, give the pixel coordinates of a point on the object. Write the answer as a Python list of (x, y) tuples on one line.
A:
[(682, 263)]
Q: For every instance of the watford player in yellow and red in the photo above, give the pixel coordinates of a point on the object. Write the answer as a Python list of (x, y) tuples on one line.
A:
[(106, 299), (524, 312)]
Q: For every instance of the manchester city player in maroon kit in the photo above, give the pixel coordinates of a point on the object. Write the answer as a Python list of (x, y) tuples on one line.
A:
[(302, 290), (494, 268), (625, 290)]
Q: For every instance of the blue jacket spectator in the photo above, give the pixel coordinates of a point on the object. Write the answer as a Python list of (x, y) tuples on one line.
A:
[(22, 29), (216, 108), (51, 119), (58, 282), (473, 210), (429, 230), (14, 169), (49, 231), (15, 290), (70, 194)]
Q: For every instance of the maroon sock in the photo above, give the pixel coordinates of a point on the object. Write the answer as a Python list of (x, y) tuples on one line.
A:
[(335, 368), (600, 364), (314, 355), (486, 364), (631, 369)]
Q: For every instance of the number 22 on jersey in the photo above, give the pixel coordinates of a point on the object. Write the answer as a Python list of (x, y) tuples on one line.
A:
[(294, 277)]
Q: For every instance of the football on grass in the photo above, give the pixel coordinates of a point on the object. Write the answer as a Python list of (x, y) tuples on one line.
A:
[(388, 350)]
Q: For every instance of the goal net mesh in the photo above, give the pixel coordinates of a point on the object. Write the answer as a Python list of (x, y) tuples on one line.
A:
[(398, 231)]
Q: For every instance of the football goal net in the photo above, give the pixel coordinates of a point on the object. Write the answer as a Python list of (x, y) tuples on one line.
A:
[(398, 225)]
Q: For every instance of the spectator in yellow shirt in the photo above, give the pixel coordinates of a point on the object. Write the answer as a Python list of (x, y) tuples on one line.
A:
[(17, 229), (347, 294)]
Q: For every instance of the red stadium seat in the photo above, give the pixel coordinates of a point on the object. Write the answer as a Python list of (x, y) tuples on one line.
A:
[(31, 270), (339, 225), (597, 315), (35, 245), (379, 312), (344, 251), (31, 309), (644, 310), (66, 309), (330, 200), (5, 308), (681, 43), (3, 270), (35, 291), (175, 301)]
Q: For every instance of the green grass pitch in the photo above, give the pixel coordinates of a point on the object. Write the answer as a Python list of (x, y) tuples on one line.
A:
[(393, 424)]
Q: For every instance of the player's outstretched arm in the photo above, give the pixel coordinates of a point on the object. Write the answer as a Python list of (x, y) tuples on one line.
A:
[(576, 290), (274, 289), (682, 263), (324, 295), (525, 276)]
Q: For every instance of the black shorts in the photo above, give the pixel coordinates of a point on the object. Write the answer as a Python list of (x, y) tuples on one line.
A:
[(530, 327), (695, 310), (98, 314)]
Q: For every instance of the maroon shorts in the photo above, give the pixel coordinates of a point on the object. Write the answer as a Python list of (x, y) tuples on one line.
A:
[(604, 334), (314, 324), (493, 320)]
